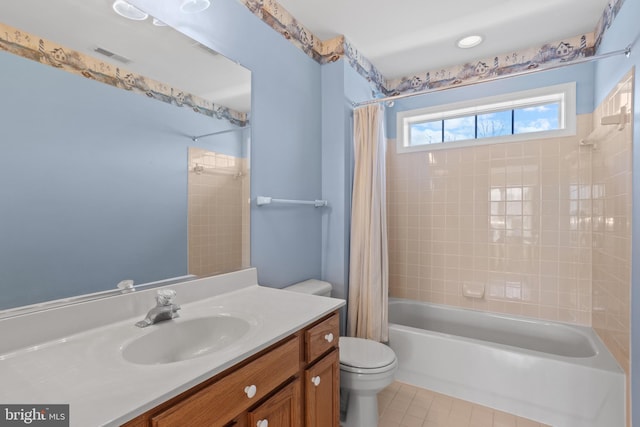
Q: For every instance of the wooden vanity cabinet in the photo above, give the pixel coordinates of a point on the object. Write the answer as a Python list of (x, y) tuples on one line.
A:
[(295, 382)]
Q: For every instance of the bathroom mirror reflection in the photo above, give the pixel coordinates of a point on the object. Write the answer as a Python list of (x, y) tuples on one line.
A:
[(112, 171)]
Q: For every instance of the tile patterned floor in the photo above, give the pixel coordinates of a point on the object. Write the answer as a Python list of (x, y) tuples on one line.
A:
[(403, 405)]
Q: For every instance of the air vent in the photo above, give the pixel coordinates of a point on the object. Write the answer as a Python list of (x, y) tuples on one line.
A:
[(112, 55)]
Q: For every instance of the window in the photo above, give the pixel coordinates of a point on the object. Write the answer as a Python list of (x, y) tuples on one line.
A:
[(539, 113)]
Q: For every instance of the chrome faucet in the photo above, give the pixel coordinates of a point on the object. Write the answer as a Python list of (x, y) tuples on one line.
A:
[(165, 309)]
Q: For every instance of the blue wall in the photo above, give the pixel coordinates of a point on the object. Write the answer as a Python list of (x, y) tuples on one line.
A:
[(335, 179), (286, 145), (623, 32), (93, 183)]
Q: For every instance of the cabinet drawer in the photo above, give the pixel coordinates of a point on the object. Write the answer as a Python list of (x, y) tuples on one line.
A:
[(217, 404), (321, 337)]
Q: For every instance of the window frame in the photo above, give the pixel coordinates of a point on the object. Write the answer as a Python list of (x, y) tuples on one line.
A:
[(564, 93)]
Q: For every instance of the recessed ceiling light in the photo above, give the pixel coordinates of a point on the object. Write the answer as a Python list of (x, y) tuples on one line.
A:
[(123, 8), (194, 6), (469, 41)]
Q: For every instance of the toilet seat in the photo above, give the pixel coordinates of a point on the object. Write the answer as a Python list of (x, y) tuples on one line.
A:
[(362, 356)]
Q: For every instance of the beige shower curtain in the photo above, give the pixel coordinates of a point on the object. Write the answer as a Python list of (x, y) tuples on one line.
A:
[(369, 265)]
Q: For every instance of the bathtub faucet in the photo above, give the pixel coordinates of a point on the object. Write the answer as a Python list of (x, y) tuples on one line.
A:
[(164, 310)]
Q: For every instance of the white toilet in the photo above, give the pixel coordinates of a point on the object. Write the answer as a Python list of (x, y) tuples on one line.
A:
[(366, 367)]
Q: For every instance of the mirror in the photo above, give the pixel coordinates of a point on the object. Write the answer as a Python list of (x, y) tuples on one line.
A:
[(137, 179)]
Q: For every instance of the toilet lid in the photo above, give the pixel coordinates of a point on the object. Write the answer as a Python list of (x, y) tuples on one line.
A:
[(360, 353)]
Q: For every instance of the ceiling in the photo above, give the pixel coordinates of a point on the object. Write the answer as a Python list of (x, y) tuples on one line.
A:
[(399, 38), (159, 53), (405, 37)]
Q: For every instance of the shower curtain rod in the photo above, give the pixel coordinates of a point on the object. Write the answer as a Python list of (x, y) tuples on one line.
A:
[(626, 51), (196, 138)]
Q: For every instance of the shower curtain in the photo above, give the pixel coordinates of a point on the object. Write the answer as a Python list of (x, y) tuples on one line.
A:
[(369, 265)]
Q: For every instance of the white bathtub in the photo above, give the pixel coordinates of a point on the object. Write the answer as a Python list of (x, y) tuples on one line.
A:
[(558, 374)]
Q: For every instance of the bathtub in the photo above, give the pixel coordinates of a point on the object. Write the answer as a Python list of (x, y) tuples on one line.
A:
[(554, 373)]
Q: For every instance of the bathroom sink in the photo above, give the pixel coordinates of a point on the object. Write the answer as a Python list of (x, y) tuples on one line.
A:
[(175, 340)]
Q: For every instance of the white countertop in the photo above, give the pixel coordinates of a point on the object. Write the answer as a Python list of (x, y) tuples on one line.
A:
[(87, 371)]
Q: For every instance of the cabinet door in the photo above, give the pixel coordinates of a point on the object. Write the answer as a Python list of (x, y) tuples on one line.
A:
[(322, 392), (280, 410)]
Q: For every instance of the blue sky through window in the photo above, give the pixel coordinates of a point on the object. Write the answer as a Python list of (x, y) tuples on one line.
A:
[(426, 133), (542, 112), (536, 119), (460, 128), (488, 125), (494, 124)]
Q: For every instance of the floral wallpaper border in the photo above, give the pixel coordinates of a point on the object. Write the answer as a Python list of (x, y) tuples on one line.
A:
[(46, 52), (278, 18)]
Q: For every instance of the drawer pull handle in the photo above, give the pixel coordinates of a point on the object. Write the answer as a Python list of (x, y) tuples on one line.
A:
[(250, 390), (316, 381), (329, 337), (262, 423)]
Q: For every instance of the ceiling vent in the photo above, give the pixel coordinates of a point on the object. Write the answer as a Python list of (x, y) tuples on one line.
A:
[(112, 55)]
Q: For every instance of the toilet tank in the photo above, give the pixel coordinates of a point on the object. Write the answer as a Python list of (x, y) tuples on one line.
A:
[(311, 286)]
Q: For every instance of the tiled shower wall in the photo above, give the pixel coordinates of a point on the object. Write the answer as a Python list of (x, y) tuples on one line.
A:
[(543, 226), (514, 218), (217, 212), (612, 224)]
